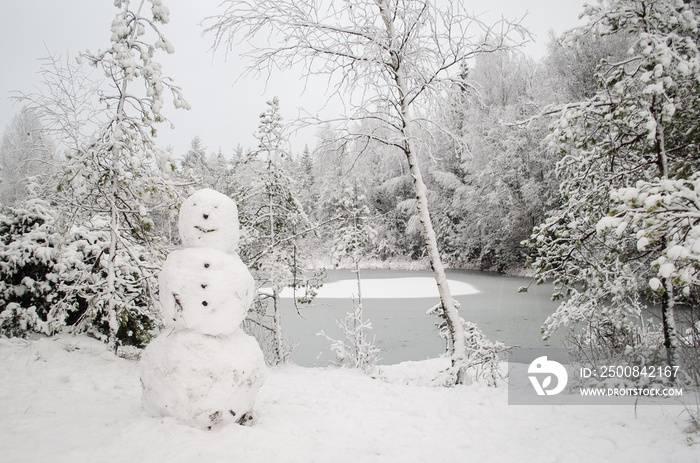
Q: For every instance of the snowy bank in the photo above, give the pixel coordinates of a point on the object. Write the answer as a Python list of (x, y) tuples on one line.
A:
[(68, 399)]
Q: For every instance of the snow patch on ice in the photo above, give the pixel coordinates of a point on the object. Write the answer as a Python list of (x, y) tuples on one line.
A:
[(388, 288)]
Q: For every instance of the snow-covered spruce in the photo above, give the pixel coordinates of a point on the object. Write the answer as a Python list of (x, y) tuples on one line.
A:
[(203, 370)]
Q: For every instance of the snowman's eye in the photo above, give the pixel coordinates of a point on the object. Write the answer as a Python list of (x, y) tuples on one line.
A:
[(205, 303), (206, 265)]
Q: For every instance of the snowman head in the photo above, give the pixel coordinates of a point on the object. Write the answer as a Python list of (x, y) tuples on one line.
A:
[(209, 219)]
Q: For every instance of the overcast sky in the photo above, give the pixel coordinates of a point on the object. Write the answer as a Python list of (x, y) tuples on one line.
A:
[(223, 114)]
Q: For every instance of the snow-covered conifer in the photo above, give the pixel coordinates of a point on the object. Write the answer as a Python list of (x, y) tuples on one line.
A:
[(641, 125), (272, 219), (29, 249), (113, 181)]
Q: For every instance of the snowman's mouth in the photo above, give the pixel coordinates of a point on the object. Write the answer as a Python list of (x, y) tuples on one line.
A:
[(205, 230)]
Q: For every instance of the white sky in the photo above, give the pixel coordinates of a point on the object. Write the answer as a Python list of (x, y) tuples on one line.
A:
[(223, 114)]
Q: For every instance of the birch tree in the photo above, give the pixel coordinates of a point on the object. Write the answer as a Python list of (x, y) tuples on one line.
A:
[(386, 58)]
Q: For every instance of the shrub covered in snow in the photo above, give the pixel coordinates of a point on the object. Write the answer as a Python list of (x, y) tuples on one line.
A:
[(29, 250), (482, 358), (51, 279), (356, 350)]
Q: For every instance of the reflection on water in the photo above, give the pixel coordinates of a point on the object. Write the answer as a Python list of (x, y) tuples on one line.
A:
[(402, 329)]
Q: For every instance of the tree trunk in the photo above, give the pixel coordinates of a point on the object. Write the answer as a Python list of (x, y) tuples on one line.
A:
[(667, 299), (360, 339), (459, 350), (450, 313), (668, 322), (111, 268), (277, 324)]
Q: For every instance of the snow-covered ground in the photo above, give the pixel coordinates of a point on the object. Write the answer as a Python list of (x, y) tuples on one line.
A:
[(68, 399)]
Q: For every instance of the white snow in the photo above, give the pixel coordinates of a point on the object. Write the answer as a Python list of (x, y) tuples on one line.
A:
[(69, 400), (388, 288)]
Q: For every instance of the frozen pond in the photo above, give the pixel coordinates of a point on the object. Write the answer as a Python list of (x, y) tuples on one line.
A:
[(396, 303)]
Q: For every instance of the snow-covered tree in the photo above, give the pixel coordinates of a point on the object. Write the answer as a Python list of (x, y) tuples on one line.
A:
[(114, 177), (51, 278), (492, 181), (272, 220), (353, 238), (83, 267), (573, 66), (194, 163), (29, 249), (307, 180), (398, 53), (68, 101), (642, 125), (206, 170), (26, 151), (663, 216)]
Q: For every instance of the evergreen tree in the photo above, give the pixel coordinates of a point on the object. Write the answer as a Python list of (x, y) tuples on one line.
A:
[(605, 247), (29, 249), (194, 164), (110, 182), (307, 181), (272, 219), (26, 152)]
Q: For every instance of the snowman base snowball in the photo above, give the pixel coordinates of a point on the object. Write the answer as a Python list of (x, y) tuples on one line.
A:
[(202, 380)]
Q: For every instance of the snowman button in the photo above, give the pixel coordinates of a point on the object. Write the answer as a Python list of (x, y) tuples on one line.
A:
[(206, 216), (206, 265), (205, 303)]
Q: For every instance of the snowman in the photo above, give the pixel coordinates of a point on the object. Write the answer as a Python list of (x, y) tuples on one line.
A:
[(202, 369)]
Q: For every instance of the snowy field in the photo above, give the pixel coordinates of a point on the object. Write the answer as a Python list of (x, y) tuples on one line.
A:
[(68, 399)]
